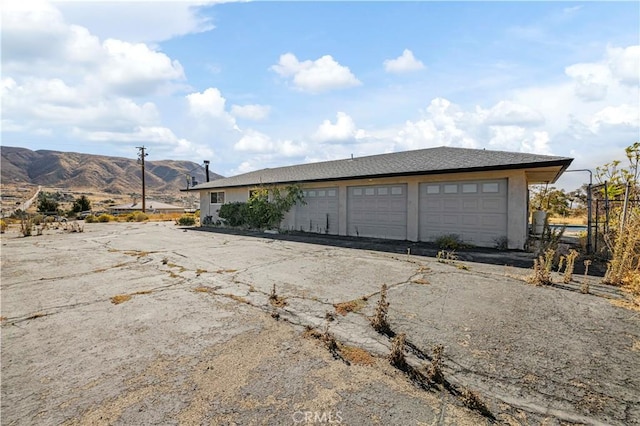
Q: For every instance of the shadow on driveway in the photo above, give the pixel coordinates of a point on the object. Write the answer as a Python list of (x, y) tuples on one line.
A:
[(516, 258)]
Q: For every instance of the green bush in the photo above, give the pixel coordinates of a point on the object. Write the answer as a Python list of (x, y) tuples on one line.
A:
[(449, 242), (187, 220), (38, 219), (234, 214), (105, 218), (90, 219)]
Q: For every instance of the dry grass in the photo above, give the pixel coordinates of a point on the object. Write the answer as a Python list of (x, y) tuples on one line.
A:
[(3, 318), (356, 355), (226, 271), (420, 281), (202, 289), (120, 298), (237, 298), (136, 253), (624, 267), (200, 272), (352, 306)]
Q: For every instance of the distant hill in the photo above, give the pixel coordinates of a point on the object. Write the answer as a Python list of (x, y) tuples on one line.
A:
[(115, 175)]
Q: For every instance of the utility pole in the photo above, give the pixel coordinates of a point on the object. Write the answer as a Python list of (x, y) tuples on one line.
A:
[(141, 155)]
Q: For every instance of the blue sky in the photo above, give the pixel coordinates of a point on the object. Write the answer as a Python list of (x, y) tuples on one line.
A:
[(263, 84)]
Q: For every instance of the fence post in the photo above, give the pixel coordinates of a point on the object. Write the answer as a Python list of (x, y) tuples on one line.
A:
[(589, 224), (595, 241), (624, 207)]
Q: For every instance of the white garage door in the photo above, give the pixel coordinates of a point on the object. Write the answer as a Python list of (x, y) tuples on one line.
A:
[(476, 211), (378, 211), (320, 214)]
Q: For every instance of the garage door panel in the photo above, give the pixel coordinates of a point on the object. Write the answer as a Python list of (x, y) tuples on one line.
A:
[(477, 211), (382, 214), (320, 213)]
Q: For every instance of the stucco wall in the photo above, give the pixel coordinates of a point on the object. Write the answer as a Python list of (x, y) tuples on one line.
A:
[(516, 200)]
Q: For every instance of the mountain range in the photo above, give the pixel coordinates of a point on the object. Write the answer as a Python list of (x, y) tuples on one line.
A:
[(114, 175)]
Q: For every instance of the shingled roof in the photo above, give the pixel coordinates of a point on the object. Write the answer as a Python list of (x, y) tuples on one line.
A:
[(418, 162)]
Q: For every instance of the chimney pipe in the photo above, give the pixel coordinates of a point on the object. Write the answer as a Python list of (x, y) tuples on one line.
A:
[(206, 168), (193, 181)]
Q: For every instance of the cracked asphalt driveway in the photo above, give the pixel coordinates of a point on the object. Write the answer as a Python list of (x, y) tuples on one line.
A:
[(153, 324)]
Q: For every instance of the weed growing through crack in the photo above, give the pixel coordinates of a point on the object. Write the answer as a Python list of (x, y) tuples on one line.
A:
[(473, 401), (542, 269), (379, 320), (434, 371), (275, 300), (396, 356), (200, 272), (568, 270), (584, 288)]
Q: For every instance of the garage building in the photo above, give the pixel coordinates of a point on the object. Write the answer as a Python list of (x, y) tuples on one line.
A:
[(479, 195)]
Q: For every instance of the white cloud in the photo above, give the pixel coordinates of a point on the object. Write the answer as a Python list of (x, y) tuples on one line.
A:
[(256, 142), (163, 20), (403, 63), (321, 75), (344, 130), (591, 80), (251, 112), (507, 113), (625, 64), (622, 115), (209, 105), (210, 102), (135, 69)]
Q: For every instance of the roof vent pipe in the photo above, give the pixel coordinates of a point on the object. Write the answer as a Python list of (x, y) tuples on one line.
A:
[(206, 168)]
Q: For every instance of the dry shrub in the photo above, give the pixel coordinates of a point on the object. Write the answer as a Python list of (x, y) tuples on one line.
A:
[(379, 320), (396, 356), (356, 355), (542, 269), (624, 267), (568, 270), (352, 306), (202, 289)]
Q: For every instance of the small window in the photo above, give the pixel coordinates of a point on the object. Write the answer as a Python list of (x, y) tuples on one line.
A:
[(469, 188), (383, 191), (451, 189), (321, 193), (369, 191), (217, 198), (331, 193), (490, 187), (396, 190), (433, 189), (312, 193), (357, 191)]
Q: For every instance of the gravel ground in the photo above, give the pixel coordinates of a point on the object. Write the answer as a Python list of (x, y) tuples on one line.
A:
[(195, 339)]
